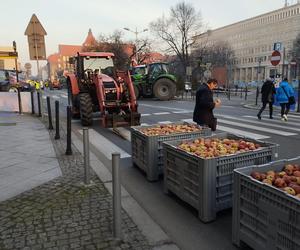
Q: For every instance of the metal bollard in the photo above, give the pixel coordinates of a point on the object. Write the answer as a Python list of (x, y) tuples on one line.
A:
[(246, 92), (57, 135), (116, 181), (241, 92), (49, 113), (229, 93), (39, 104), (257, 94), (86, 152), (298, 104), (19, 101), (69, 148), (32, 103)]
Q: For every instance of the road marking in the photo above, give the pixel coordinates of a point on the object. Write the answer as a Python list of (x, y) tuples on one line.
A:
[(165, 122), (242, 132), (44, 97), (64, 96), (188, 120), (260, 123), (291, 121), (268, 130), (144, 124), (104, 145), (161, 107), (162, 113), (55, 97), (182, 112), (145, 114)]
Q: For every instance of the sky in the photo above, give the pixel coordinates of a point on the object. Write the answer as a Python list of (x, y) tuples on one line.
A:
[(68, 21)]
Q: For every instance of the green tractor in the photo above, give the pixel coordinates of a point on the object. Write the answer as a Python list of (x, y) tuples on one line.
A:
[(153, 80)]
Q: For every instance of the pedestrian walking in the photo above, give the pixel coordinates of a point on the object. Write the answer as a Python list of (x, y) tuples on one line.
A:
[(285, 97), (203, 112), (267, 97)]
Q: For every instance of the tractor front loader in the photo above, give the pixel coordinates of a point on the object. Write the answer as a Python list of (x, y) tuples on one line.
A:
[(96, 87)]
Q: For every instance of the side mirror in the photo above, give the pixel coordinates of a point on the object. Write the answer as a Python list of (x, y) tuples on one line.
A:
[(71, 60)]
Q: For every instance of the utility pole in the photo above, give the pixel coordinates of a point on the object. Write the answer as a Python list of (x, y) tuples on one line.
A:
[(16, 61), (283, 64)]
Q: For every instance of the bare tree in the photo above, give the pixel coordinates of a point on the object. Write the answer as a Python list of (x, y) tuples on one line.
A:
[(178, 30), (141, 51)]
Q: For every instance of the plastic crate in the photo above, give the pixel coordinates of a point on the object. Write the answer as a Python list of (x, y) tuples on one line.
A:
[(206, 184), (147, 151), (264, 217)]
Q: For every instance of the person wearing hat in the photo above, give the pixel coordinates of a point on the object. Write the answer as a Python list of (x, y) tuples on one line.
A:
[(203, 112), (267, 97)]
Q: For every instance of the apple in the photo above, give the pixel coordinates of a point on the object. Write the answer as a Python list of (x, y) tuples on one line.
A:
[(290, 190), (289, 169), (256, 176), (280, 183), (296, 173)]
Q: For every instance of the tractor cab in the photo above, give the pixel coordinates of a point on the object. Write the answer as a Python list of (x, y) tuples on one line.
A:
[(96, 86)]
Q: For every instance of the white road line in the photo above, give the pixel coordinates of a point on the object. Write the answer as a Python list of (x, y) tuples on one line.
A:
[(188, 120), (261, 123), (165, 122), (64, 96), (162, 113), (44, 97), (145, 114), (268, 130), (290, 122), (145, 124), (55, 97), (242, 132), (182, 112), (161, 107), (104, 145)]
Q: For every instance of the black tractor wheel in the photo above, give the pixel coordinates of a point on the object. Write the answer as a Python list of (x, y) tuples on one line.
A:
[(164, 89), (136, 91), (86, 109)]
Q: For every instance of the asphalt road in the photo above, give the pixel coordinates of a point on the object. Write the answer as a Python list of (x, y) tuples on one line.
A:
[(178, 219)]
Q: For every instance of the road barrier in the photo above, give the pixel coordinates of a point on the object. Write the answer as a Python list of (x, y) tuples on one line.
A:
[(49, 113), (69, 117), (57, 135), (116, 181), (86, 153), (19, 101)]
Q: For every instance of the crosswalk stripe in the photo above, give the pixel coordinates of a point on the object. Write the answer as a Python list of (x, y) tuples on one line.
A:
[(242, 132), (104, 145), (182, 112), (260, 123), (64, 96), (55, 97), (162, 113), (165, 122), (188, 120), (44, 97), (145, 115), (161, 107), (144, 124), (291, 121), (268, 130)]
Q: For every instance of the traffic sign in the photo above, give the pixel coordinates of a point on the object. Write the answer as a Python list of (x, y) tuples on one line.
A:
[(36, 41), (277, 46), (8, 55), (275, 58)]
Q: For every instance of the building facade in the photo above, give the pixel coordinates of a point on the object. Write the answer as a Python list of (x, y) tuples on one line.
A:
[(252, 41)]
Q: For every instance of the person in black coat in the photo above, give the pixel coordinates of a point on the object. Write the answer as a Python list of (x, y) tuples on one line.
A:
[(203, 112), (267, 97)]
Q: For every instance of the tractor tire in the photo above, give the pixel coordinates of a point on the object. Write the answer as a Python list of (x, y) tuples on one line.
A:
[(136, 91), (164, 89), (86, 109)]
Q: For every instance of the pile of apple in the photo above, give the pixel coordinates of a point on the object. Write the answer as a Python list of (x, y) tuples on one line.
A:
[(215, 147), (287, 180), (167, 129)]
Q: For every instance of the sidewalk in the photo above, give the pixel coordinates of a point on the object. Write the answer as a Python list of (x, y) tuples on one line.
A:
[(62, 213)]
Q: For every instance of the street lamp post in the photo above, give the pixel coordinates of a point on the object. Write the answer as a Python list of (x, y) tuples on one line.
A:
[(258, 74), (136, 32)]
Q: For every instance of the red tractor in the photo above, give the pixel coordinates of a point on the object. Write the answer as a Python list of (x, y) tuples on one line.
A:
[(97, 87)]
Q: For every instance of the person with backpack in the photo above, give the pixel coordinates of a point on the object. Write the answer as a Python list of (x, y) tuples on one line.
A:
[(267, 97), (285, 97)]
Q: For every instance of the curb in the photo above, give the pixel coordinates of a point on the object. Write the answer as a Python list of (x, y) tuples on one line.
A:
[(155, 235)]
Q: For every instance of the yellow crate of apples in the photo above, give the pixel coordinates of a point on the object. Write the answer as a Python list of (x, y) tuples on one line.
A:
[(168, 129), (215, 147)]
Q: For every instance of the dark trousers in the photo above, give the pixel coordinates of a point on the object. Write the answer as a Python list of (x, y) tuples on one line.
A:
[(264, 106), (285, 108)]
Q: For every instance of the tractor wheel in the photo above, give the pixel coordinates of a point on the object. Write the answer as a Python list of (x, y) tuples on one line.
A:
[(136, 91), (86, 109), (164, 89)]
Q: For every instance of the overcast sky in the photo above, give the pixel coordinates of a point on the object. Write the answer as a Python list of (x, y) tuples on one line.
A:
[(68, 21)]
